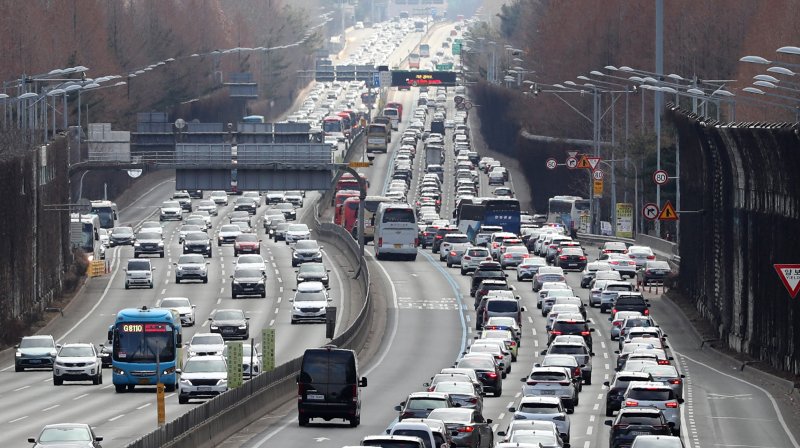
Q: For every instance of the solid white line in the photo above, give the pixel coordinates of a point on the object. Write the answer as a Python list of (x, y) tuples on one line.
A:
[(764, 391)]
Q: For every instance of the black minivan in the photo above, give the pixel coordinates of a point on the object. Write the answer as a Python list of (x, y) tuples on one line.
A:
[(328, 386)]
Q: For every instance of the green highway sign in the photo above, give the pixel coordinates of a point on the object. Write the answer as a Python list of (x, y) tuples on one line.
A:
[(448, 66)]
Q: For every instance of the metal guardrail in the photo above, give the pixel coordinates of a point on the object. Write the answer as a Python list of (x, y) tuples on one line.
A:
[(215, 420), (666, 248)]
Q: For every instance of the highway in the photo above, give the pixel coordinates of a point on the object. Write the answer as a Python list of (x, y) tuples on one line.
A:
[(430, 322)]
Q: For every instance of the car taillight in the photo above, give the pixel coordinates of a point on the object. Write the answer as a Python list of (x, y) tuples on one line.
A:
[(507, 256), (672, 404), (300, 388), (564, 383), (613, 262), (632, 256), (647, 271), (585, 333), (426, 233), (582, 258), (614, 311), (488, 258), (563, 257), (494, 245), (646, 312), (416, 242), (531, 383), (663, 362), (617, 323), (675, 381), (491, 375), (553, 246), (631, 403), (355, 394), (512, 344), (380, 242), (467, 257), (406, 415), (577, 371), (555, 332), (473, 400), (498, 356), (466, 429), (651, 257), (438, 237), (452, 253), (606, 251)]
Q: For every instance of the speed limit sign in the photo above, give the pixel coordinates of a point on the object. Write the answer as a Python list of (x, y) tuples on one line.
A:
[(551, 164), (660, 177)]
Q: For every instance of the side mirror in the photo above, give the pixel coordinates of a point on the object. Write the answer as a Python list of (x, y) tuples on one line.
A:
[(502, 433), (591, 330), (362, 382), (489, 421), (610, 319), (426, 384), (610, 422), (606, 383), (174, 264), (683, 376), (671, 424), (680, 400), (543, 352), (537, 365), (591, 354), (512, 409), (32, 440), (210, 318), (671, 358), (523, 379), (231, 276), (194, 306), (616, 352), (663, 336)]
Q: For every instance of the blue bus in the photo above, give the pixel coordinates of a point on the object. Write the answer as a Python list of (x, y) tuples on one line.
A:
[(471, 214), (145, 348)]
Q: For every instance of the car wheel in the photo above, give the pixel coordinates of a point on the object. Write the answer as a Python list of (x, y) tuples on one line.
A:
[(264, 295), (119, 388), (57, 381), (135, 255), (151, 286), (161, 255), (355, 421), (303, 421), (609, 412), (233, 295), (449, 265), (96, 380), (210, 254), (205, 280), (235, 253), (127, 286), (497, 393), (182, 399), (177, 280), (19, 368), (587, 381), (503, 375)]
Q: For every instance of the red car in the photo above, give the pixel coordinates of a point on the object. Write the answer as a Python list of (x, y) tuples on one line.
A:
[(246, 243)]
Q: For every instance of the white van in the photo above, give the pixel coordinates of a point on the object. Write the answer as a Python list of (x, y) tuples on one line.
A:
[(396, 231)]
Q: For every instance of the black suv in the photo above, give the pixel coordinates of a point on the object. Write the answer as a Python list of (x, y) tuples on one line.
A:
[(490, 285), (631, 423), (197, 243), (246, 204), (571, 258), (631, 301), (439, 237), (617, 388), (329, 386), (574, 327), (486, 270)]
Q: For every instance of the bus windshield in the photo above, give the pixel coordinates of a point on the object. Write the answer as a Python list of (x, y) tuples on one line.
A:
[(140, 341), (332, 125), (399, 215), (106, 215)]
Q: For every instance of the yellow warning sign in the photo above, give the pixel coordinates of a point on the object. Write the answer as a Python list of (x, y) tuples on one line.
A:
[(359, 164), (583, 162), (668, 212), (598, 188)]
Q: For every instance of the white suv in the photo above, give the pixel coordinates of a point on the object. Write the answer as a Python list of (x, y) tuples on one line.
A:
[(309, 302), (77, 362), (139, 273), (202, 376)]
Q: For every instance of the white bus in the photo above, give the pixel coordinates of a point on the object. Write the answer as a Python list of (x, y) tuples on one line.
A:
[(396, 231), (568, 209)]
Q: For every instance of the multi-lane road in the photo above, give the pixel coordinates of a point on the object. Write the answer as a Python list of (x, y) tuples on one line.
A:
[(429, 323)]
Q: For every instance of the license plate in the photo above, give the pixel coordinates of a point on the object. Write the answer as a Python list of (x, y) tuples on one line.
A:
[(227, 330), (548, 392), (573, 264), (204, 388), (315, 397), (247, 289), (398, 246), (35, 361), (143, 381)]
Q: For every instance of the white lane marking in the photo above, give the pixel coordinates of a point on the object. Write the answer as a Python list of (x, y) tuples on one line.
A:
[(219, 300), (530, 320), (80, 396), (517, 395), (116, 418), (18, 419), (21, 388), (277, 272), (279, 299), (602, 344), (169, 395), (166, 282), (143, 406), (272, 322), (607, 367), (605, 355), (533, 330), (274, 265), (280, 289), (599, 396), (596, 407), (276, 310), (468, 317), (586, 444), (589, 430), (339, 281), (280, 280), (501, 416), (535, 342), (222, 290), (591, 418), (50, 407), (163, 291)]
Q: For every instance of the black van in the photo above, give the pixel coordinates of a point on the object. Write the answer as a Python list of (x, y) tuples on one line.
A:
[(328, 386)]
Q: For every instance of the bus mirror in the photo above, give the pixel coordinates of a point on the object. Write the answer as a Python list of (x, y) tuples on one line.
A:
[(180, 339), (370, 156), (110, 335)]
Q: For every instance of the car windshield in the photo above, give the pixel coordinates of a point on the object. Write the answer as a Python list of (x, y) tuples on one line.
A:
[(476, 363), (559, 361), (148, 236), (539, 408), (175, 303), (313, 296), (135, 265), (543, 439), (658, 265), (285, 206), (306, 245), (191, 259), (450, 415), (71, 352), (426, 403), (414, 433), (195, 365), (298, 228), (186, 228), (122, 231), (548, 376), (170, 204), (662, 371), (195, 236), (247, 237), (247, 273), (315, 268), (228, 315), (36, 343), (456, 388), (65, 434), (250, 259), (209, 339), (230, 228), (502, 306), (504, 321), (567, 350), (651, 394)]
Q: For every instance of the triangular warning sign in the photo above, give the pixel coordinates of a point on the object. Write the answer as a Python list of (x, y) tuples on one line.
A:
[(584, 163), (790, 276), (668, 212), (593, 161)]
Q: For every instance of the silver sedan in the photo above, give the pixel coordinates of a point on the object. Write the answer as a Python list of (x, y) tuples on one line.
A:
[(456, 253)]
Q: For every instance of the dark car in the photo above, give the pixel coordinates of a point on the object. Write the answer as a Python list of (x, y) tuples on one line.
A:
[(195, 194), (420, 404), (329, 386), (246, 243), (652, 271), (617, 388), (105, 356), (35, 352), (246, 204), (631, 423), (197, 243), (571, 258), (427, 236), (439, 237), (631, 301), (468, 427), (288, 210), (313, 272), (73, 435), (490, 285), (486, 270), (248, 282), (148, 243), (184, 199), (121, 236), (306, 251), (575, 327), (487, 371), (230, 323)]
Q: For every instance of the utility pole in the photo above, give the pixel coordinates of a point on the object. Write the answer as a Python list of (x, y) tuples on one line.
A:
[(659, 97)]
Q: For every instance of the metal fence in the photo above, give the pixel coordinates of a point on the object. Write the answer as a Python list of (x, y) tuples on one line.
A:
[(212, 422), (742, 184)]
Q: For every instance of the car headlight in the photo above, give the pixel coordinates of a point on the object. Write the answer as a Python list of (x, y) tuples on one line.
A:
[(117, 371), (161, 244), (185, 382), (261, 281), (222, 382), (295, 255), (169, 371), (242, 327), (18, 354), (214, 327), (301, 277), (136, 244), (236, 282), (53, 354)]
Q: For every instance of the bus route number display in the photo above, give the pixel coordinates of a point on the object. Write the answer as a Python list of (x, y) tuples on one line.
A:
[(423, 78), (144, 328)]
